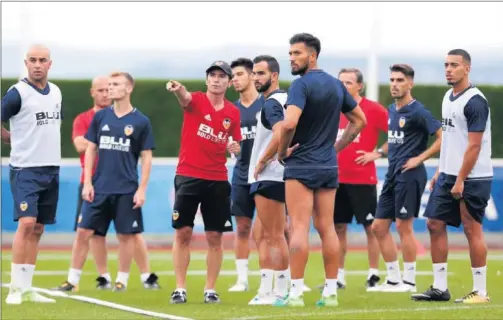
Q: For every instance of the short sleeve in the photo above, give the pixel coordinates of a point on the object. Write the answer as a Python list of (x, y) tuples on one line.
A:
[(297, 94), (273, 113), (198, 98), (147, 137), (236, 126), (476, 112), (348, 102), (79, 127), (381, 117), (430, 124), (93, 131), (11, 104)]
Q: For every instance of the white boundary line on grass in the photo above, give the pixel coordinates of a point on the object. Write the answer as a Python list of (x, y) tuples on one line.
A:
[(204, 272), (104, 303), (363, 311)]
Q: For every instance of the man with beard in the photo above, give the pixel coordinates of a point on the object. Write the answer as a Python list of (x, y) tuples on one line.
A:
[(268, 187), (242, 203), (306, 149)]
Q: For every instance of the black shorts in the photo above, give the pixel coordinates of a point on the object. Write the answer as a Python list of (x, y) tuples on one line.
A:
[(355, 200), (105, 208), (35, 192), (242, 204), (272, 190), (78, 214), (442, 205), (214, 198)]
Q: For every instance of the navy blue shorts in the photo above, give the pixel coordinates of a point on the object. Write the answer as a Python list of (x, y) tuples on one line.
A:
[(442, 205), (314, 178), (401, 195), (105, 208), (273, 190), (35, 192), (242, 203)]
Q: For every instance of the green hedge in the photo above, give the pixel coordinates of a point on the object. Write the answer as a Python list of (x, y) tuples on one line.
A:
[(151, 97)]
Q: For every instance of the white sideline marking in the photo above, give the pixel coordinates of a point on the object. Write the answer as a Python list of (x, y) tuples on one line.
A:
[(231, 257), (103, 303), (361, 311), (203, 273)]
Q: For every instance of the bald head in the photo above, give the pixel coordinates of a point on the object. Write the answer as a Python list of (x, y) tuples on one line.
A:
[(99, 92), (38, 62), (38, 50)]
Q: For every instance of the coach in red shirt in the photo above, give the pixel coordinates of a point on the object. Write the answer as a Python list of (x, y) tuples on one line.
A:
[(209, 121), (357, 193)]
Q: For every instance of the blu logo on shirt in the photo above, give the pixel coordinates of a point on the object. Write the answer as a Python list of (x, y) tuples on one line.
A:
[(114, 143)]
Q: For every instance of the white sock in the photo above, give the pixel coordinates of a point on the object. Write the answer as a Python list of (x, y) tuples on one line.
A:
[(440, 276), (17, 276), (266, 280), (208, 291), (30, 270), (340, 276), (409, 272), (281, 281), (74, 276), (479, 280), (144, 277), (181, 290), (393, 269), (297, 288), (122, 277), (372, 272), (107, 276), (330, 287), (242, 270)]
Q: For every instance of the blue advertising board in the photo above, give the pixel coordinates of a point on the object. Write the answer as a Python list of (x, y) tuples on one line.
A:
[(160, 197)]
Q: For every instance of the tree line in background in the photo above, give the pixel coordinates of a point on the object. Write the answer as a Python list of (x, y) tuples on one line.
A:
[(151, 97)]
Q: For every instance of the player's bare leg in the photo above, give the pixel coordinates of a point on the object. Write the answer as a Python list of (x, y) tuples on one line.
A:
[(381, 229), (80, 249), (213, 263), (126, 252), (405, 230), (341, 229), (373, 252), (242, 251), (148, 279), (98, 246), (439, 249), (323, 220), (287, 237), (181, 260), (271, 215), (299, 201), (24, 256), (478, 257)]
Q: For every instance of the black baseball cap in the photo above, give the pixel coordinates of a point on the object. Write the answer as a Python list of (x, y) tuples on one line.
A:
[(222, 65)]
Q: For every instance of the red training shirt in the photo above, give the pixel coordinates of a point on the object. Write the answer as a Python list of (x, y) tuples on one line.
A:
[(80, 126), (377, 120), (205, 134)]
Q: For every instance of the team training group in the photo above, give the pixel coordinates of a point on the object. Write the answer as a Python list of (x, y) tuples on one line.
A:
[(294, 149)]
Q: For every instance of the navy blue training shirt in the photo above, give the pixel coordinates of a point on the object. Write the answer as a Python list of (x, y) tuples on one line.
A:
[(120, 142), (322, 98), (248, 131), (272, 111), (408, 131)]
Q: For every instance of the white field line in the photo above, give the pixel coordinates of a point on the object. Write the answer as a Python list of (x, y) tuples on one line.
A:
[(335, 313), (103, 303), (231, 257), (203, 273)]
